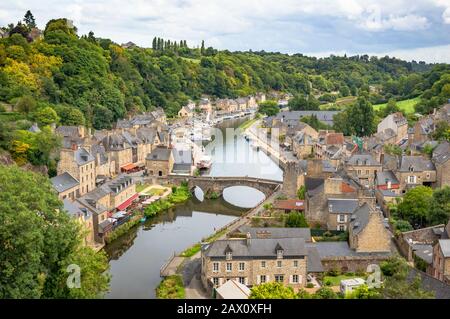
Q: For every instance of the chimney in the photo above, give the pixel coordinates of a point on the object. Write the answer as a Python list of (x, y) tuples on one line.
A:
[(248, 238)]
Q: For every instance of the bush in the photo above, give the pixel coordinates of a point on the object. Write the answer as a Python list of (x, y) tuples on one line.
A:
[(309, 285), (171, 288), (296, 219), (122, 229)]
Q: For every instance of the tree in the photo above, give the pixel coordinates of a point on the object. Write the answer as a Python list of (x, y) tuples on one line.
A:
[(361, 117), (46, 116), (301, 192), (442, 131), (38, 239), (269, 108), (439, 212), (26, 104), (272, 290), (29, 20), (364, 292), (300, 103), (296, 219), (202, 48), (391, 107), (70, 116), (416, 205), (154, 45), (325, 293)]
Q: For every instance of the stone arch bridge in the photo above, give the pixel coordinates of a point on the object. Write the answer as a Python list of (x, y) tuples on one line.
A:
[(214, 184)]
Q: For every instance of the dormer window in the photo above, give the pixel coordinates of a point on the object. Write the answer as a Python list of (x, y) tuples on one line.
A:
[(229, 255), (280, 253), (411, 168)]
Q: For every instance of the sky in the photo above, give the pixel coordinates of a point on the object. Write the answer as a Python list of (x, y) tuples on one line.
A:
[(409, 29)]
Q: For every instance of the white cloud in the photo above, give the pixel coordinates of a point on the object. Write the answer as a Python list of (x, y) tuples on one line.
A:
[(398, 23)]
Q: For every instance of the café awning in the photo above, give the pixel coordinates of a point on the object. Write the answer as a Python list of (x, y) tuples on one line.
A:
[(128, 167), (128, 202)]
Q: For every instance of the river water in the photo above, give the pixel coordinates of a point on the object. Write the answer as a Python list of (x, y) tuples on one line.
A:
[(136, 258)]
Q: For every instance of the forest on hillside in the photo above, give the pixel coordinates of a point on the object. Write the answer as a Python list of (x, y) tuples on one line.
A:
[(93, 81)]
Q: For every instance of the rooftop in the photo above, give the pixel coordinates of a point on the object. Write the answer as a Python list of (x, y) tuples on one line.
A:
[(64, 182), (416, 164), (159, 154), (342, 205)]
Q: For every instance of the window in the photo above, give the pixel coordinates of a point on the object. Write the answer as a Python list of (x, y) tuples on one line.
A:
[(216, 281), (229, 267), (241, 266), (279, 253), (242, 280), (359, 172), (279, 278), (367, 172), (341, 227), (295, 263), (215, 267), (411, 179), (263, 264), (160, 173), (295, 279), (229, 255), (341, 218), (279, 264), (262, 279)]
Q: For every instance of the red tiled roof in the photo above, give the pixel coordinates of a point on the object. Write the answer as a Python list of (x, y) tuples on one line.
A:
[(334, 139), (291, 204)]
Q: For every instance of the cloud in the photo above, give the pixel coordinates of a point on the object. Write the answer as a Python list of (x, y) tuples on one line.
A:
[(283, 25)]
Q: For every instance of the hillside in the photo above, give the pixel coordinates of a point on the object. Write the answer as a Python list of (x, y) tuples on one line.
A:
[(93, 81)]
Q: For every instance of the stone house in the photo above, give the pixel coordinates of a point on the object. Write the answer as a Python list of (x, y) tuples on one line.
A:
[(242, 103), (422, 129), (205, 105), (441, 260), (255, 261), (251, 102), (303, 144), (414, 171), (71, 131), (339, 212), (114, 195), (328, 144), (119, 150), (368, 231), (187, 110), (83, 217), (364, 167), (104, 166), (386, 180), (440, 159), (159, 162), (397, 123), (81, 165), (66, 185)]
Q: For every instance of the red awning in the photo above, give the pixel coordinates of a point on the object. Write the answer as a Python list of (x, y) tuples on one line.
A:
[(128, 167), (127, 203)]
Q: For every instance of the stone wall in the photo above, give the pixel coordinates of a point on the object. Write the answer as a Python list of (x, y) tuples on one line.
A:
[(351, 263)]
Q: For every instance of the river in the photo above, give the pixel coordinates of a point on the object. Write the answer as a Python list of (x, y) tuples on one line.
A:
[(136, 258)]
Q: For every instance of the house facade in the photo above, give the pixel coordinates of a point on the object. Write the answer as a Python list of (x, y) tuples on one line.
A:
[(364, 167), (415, 171), (255, 261), (159, 162)]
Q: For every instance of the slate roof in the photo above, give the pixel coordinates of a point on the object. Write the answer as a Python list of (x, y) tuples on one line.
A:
[(323, 116), (131, 139), (74, 209), (385, 176), (417, 163), (441, 153), (98, 149), (389, 193), (70, 131), (147, 134), (83, 157), (424, 251), (64, 182), (332, 249), (292, 247), (440, 289), (314, 185), (363, 159), (313, 262), (159, 154), (181, 168), (342, 205), (361, 218), (445, 247), (115, 142), (277, 232)]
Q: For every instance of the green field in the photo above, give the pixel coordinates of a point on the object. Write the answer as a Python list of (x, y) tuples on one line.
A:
[(336, 281), (406, 106)]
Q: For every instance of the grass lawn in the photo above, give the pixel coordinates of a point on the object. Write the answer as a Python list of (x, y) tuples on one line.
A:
[(406, 106), (171, 288), (141, 187), (191, 251), (340, 102), (336, 281)]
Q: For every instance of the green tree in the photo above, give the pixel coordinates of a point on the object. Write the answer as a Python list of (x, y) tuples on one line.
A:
[(38, 240), (416, 205), (325, 293), (268, 108), (70, 116), (296, 219), (391, 107), (29, 20), (301, 192), (202, 48), (46, 116), (361, 117), (26, 104), (439, 212), (364, 292), (272, 290)]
